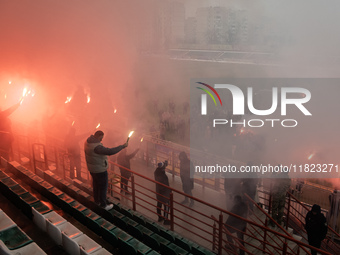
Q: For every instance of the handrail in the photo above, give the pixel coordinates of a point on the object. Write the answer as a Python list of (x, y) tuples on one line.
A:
[(226, 230), (268, 216), (305, 207), (302, 229), (173, 216), (293, 240), (327, 241), (285, 236)]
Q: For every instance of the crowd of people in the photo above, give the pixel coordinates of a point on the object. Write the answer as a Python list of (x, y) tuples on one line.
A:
[(237, 190)]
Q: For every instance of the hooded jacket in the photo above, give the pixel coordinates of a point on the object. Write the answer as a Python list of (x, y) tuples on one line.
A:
[(96, 154)]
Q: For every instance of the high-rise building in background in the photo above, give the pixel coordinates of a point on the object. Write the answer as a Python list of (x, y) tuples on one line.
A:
[(162, 27), (165, 27)]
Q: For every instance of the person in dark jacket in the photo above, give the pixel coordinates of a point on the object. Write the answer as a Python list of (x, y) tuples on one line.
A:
[(124, 160), (73, 149), (97, 164), (249, 187), (279, 188), (187, 182), (237, 225), (6, 135), (316, 227), (162, 192)]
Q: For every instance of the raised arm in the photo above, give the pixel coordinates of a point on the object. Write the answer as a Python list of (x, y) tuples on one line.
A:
[(100, 149)]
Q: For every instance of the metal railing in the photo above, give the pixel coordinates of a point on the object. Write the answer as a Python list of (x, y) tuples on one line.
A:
[(199, 222), (294, 217)]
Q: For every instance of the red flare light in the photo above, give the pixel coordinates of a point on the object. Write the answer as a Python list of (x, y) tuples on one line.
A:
[(68, 100), (25, 93)]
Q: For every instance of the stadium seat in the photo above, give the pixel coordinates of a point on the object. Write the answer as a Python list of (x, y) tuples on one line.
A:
[(101, 251), (72, 245), (64, 228), (141, 248), (14, 238), (5, 221), (29, 249), (127, 248), (40, 214)]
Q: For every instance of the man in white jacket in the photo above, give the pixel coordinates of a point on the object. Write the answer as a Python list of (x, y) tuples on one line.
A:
[(97, 164)]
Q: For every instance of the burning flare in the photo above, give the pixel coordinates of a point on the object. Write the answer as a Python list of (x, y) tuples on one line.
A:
[(115, 111), (73, 123), (130, 134), (98, 125), (88, 98), (141, 140), (9, 82), (68, 100), (310, 156), (25, 93)]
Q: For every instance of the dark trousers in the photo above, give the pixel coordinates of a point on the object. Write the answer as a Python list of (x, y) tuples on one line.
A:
[(124, 180), (240, 236), (100, 185), (187, 191), (166, 209), (314, 242), (75, 161)]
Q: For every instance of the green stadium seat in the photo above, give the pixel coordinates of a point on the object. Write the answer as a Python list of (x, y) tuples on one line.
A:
[(65, 202), (14, 238), (18, 190), (141, 248), (127, 212), (167, 234), (155, 241), (173, 249), (127, 248), (108, 235), (183, 242), (3, 175), (152, 252), (139, 218), (133, 229), (153, 226), (41, 208), (121, 235), (6, 183)]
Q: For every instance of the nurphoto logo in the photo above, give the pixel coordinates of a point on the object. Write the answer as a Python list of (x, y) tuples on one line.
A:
[(238, 107)]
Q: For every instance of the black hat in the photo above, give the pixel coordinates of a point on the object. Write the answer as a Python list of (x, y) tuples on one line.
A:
[(316, 208)]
